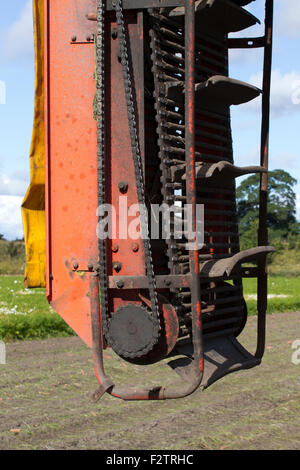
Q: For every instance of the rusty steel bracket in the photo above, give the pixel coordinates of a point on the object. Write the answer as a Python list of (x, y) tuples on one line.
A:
[(224, 267), (142, 282), (246, 43)]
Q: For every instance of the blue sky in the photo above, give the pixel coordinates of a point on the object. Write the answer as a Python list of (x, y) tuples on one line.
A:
[(17, 72)]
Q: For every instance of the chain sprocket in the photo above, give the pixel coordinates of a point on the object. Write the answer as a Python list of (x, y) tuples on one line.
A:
[(132, 331)]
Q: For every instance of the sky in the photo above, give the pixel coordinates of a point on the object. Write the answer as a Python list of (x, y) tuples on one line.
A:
[(16, 115)]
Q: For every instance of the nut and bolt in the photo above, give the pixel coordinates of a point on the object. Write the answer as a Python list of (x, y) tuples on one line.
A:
[(117, 267), (123, 187)]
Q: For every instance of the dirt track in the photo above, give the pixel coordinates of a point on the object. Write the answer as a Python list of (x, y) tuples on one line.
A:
[(45, 401)]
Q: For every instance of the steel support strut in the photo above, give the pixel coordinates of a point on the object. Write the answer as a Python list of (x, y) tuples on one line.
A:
[(191, 190), (262, 280)]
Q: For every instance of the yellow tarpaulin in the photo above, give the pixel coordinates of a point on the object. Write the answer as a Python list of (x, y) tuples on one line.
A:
[(33, 207)]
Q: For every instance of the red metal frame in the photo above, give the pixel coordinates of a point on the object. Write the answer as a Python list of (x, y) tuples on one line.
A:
[(71, 177), (71, 172)]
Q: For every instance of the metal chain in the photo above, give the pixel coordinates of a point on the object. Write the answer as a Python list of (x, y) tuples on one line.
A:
[(101, 160), (137, 159), (138, 165)]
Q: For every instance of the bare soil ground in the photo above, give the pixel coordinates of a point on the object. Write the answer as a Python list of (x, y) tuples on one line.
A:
[(46, 386)]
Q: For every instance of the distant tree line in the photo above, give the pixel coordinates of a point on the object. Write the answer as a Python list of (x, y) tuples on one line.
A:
[(283, 227)]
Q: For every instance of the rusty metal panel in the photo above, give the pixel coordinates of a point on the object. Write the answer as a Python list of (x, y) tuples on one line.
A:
[(71, 168), (71, 158)]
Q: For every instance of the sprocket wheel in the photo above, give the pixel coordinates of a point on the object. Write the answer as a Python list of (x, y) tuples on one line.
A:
[(132, 331)]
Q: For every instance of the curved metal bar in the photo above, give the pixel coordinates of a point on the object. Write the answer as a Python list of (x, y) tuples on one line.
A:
[(105, 382), (97, 347)]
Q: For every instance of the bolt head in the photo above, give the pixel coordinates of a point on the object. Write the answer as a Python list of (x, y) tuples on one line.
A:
[(135, 247), (123, 186), (74, 38), (117, 267), (75, 265), (120, 284)]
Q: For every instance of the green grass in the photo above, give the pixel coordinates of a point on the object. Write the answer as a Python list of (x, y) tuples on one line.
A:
[(285, 262), (26, 314), (283, 294)]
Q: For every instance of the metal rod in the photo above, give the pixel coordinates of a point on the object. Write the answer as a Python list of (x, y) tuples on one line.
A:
[(105, 382), (262, 280), (191, 189)]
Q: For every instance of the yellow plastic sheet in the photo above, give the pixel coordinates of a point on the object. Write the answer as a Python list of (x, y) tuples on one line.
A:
[(33, 207)]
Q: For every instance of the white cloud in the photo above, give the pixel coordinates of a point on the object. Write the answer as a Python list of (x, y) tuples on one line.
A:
[(285, 92), (281, 159), (18, 39), (14, 185), (285, 160), (10, 217), (287, 17)]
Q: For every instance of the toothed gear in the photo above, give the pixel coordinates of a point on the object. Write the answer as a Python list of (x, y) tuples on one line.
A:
[(132, 331)]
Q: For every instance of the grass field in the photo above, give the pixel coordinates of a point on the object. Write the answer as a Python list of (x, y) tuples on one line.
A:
[(46, 387), (283, 294), (25, 313)]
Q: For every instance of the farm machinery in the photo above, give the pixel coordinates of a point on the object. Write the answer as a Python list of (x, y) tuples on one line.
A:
[(132, 123)]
